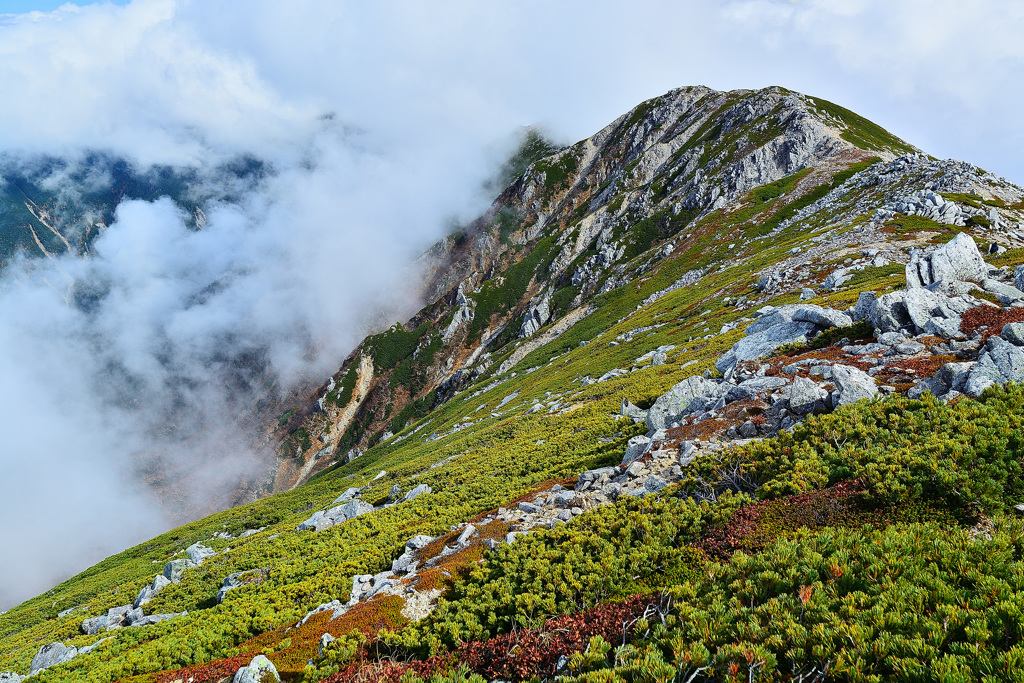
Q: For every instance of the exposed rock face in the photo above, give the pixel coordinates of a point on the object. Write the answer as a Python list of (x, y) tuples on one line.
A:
[(463, 314), (537, 316), (958, 259)]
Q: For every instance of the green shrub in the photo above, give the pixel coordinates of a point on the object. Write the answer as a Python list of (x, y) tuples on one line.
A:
[(964, 456), (860, 330), (907, 603)]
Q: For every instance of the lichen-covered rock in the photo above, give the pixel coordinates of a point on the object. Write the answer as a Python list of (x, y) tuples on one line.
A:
[(349, 494), (1005, 293), (627, 409), (999, 363), (230, 582), (1013, 333), (199, 553), (52, 654), (259, 670), (755, 386), (116, 616), (764, 342), (853, 384), (635, 448), (805, 396), (418, 542), (692, 394), (416, 492), (175, 569), (149, 592)]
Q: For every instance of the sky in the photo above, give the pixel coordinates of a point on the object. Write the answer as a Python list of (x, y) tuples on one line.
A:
[(381, 121)]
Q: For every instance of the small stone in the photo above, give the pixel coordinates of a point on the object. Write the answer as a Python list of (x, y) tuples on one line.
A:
[(909, 348), (806, 293), (529, 508), (466, 534), (748, 430)]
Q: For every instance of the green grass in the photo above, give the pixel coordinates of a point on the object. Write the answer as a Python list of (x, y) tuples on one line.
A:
[(860, 131)]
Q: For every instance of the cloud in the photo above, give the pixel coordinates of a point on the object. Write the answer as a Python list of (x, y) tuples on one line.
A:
[(379, 121)]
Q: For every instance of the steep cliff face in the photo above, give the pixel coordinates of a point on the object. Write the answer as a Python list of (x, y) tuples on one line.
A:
[(576, 224)]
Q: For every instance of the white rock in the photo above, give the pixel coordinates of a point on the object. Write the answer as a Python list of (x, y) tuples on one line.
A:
[(259, 670), (853, 384)]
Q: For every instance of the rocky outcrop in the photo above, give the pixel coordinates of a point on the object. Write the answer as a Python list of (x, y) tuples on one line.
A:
[(336, 515), (259, 670), (537, 316), (691, 395), (779, 326), (51, 654), (1000, 362), (149, 592), (958, 259)]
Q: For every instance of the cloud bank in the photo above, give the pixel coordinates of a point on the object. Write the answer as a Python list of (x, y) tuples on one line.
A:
[(134, 367)]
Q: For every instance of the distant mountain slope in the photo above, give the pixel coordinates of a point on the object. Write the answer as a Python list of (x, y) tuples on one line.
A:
[(53, 205), (729, 390)]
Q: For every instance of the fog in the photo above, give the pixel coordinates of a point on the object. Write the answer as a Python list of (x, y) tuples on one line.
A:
[(131, 370)]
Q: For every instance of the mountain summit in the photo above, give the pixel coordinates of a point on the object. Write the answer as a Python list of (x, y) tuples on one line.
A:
[(729, 390)]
